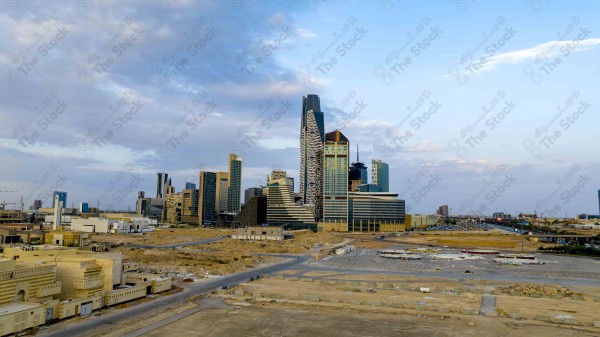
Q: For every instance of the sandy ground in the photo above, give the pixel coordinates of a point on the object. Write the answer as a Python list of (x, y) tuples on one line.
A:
[(275, 320), (139, 323), (162, 236), (493, 239), (585, 311), (216, 258), (200, 264)]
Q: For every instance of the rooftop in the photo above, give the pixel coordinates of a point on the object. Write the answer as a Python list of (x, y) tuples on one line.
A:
[(16, 307)]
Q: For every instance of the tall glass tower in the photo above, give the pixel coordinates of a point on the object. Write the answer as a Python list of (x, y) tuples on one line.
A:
[(335, 191), (380, 175), (161, 183), (234, 192), (207, 197), (312, 136)]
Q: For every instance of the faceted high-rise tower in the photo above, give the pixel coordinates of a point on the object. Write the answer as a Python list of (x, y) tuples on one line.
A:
[(161, 183), (312, 136)]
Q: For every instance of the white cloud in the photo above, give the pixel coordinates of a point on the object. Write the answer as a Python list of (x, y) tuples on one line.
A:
[(538, 52), (279, 143), (306, 34)]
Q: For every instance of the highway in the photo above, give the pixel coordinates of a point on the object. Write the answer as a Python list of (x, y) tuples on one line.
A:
[(88, 324)]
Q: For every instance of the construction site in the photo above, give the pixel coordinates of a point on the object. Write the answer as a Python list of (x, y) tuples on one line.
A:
[(195, 254), (350, 288)]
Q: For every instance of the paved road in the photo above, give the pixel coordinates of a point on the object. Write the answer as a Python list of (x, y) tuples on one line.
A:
[(184, 244), (488, 304), (91, 323)]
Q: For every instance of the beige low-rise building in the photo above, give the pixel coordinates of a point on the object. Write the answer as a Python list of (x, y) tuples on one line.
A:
[(17, 317), (58, 282), (67, 239), (259, 233)]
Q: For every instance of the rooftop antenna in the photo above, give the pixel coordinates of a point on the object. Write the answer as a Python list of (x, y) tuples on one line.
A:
[(357, 157)]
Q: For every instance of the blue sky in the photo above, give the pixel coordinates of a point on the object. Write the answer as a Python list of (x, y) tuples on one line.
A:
[(460, 97)]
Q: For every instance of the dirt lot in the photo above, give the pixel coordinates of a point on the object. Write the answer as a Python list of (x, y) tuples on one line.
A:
[(218, 258), (278, 320), (585, 311), (470, 239), (200, 264), (162, 236)]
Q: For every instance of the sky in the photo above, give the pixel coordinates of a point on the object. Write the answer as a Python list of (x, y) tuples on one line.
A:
[(483, 106)]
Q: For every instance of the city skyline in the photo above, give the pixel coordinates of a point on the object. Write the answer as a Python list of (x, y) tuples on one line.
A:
[(104, 129)]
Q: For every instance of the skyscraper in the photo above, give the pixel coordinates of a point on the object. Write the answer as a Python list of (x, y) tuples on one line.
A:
[(234, 187), (312, 136), (207, 197), (222, 183), (252, 192), (443, 211), (281, 208), (335, 191), (357, 174), (62, 196), (161, 182), (598, 201), (380, 175)]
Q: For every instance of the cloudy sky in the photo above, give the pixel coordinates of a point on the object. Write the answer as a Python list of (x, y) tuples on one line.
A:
[(477, 106)]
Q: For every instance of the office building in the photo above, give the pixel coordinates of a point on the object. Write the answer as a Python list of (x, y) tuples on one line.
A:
[(276, 174), (253, 212), (207, 193), (418, 221), (371, 212), (357, 173), (189, 206), (335, 187), (62, 196), (172, 210), (84, 207), (149, 207), (222, 183), (252, 192), (234, 187), (37, 204), (282, 210), (161, 182), (380, 175), (312, 137), (367, 188), (443, 211), (375, 212), (190, 186)]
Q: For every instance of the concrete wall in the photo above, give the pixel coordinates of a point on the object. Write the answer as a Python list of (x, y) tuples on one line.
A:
[(257, 237), (28, 280)]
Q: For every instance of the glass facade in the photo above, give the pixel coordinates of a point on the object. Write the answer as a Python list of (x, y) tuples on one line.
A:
[(335, 191), (380, 175), (312, 136), (374, 212), (235, 184), (206, 197), (62, 196)]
